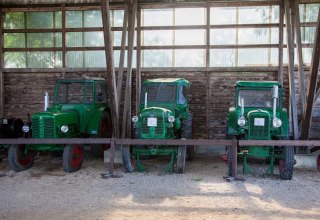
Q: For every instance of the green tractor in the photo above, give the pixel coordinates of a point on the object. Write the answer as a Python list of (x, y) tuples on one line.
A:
[(259, 115), (164, 114), (79, 109)]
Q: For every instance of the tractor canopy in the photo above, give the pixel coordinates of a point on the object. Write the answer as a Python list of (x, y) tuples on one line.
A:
[(258, 113), (77, 107)]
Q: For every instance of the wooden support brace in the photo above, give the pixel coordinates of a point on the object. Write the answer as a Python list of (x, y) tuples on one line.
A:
[(280, 56), (291, 72), (314, 71), (122, 55), (296, 21), (110, 77)]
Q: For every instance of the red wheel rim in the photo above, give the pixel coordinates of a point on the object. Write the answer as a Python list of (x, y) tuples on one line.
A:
[(318, 163), (76, 156), (23, 158), (281, 166), (105, 130)]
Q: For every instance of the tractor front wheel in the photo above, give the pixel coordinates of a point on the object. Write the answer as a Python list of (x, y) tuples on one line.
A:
[(286, 163), (19, 157), (181, 159), (186, 132), (73, 157), (229, 160)]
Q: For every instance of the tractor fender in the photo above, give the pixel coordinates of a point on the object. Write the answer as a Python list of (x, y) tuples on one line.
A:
[(232, 122), (285, 123), (93, 125)]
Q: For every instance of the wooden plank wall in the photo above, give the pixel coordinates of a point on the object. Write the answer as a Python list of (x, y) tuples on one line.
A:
[(24, 93)]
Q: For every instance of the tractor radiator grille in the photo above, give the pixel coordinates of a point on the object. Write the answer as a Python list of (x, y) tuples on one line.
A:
[(43, 128), (260, 131), (159, 130)]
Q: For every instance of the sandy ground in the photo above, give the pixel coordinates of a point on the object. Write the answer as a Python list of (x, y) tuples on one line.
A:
[(46, 192)]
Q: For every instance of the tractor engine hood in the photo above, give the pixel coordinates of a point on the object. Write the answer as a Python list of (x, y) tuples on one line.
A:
[(155, 111), (55, 124)]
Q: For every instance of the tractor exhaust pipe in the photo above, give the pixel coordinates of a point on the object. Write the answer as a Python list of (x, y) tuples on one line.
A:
[(145, 100), (275, 96), (46, 100), (242, 107)]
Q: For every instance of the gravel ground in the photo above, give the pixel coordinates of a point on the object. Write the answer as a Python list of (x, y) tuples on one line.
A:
[(46, 192)]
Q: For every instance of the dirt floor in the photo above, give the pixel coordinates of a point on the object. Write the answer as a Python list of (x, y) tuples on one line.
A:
[(46, 192)]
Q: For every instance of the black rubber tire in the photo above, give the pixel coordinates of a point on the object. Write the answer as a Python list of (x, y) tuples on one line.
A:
[(105, 131), (181, 159), (229, 161), (286, 164), (72, 159), (186, 132), (17, 160)]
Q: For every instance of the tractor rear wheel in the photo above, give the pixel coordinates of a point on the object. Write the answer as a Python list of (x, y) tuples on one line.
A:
[(186, 132), (19, 157), (73, 157), (286, 163), (105, 131)]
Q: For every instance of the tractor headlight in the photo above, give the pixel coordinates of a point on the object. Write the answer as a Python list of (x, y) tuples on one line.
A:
[(25, 128), (241, 121), (64, 128), (135, 119), (171, 119), (276, 123)]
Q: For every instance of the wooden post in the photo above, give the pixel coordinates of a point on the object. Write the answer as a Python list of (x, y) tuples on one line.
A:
[(296, 20), (122, 54), (110, 75), (208, 36), (312, 83), (291, 71), (1, 65), (111, 82), (126, 119), (281, 21), (138, 69), (64, 51)]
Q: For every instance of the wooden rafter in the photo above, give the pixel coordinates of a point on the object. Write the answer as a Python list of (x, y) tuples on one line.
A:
[(314, 71)]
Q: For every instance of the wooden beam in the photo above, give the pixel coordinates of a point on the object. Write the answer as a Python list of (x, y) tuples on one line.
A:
[(64, 51), (1, 94), (296, 19), (208, 34), (138, 68), (266, 69), (126, 117), (122, 55), (291, 72), (280, 54), (1, 65), (110, 74), (207, 87), (314, 71)]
